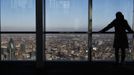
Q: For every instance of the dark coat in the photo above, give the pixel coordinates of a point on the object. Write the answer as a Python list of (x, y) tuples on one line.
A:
[(120, 37)]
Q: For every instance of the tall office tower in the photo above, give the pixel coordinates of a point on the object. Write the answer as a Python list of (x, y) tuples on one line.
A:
[(4, 54), (11, 49), (23, 46)]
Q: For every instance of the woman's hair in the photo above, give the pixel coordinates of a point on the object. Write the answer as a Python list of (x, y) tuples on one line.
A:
[(119, 15)]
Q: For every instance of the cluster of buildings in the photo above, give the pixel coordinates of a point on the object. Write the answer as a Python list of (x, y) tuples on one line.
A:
[(61, 47), (102, 47), (18, 47), (75, 47), (66, 47)]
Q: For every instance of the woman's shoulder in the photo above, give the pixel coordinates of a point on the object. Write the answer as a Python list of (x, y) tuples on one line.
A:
[(116, 20)]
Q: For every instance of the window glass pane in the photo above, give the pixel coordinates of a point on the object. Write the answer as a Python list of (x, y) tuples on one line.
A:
[(130, 51), (104, 12), (103, 43), (17, 15), (66, 15), (68, 47), (102, 47), (18, 47)]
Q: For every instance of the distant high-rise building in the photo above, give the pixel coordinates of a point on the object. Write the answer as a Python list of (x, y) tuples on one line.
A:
[(11, 50), (22, 46), (3, 53)]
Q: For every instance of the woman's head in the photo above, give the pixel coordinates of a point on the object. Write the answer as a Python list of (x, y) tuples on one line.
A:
[(119, 15)]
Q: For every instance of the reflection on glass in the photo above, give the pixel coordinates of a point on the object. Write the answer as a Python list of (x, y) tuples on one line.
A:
[(108, 9), (102, 47), (66, 47), (66, 15), (18, 47), (17, 15)]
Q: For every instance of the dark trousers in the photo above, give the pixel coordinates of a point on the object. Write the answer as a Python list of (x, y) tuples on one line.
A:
[(123, 54)]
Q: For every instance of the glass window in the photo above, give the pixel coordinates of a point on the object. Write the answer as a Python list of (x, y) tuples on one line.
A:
[(18, 47), (102, 44), (66, 47), (18, 37), (67, 15), (108, 9), (102, 47), (17, 15)]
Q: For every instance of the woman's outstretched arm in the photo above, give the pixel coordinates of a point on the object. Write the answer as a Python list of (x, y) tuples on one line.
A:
[(128, 27), (108, 27)]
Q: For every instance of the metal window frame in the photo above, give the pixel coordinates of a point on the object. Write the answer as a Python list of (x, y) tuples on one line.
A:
[(94, 32), (17, 32), (41, 35), (74, 32)]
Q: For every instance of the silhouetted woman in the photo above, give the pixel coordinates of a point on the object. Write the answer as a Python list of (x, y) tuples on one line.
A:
[(120, 38)]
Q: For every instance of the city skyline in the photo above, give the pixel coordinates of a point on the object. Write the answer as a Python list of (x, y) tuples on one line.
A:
[(102, 47), (18, 47), (66, 47)]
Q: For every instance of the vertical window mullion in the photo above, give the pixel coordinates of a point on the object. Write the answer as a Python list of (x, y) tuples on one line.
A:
[(39, 33), (133, 27), (44, 30), (0, 30), (90, 29)]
